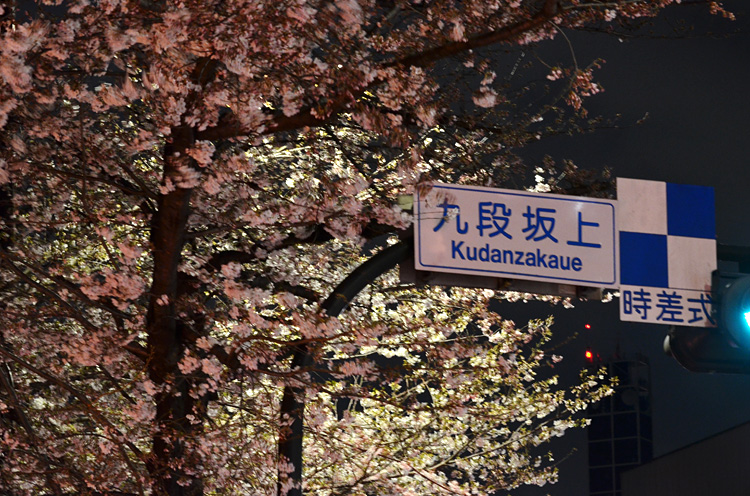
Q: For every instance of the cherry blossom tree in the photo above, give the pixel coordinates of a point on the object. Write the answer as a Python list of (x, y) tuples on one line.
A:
[(183, 185)]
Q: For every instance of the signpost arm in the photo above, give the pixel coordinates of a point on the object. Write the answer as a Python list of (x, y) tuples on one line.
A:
[(292, 406)]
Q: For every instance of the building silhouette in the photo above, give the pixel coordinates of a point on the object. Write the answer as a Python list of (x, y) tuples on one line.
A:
[(716, 465), (620, 434)]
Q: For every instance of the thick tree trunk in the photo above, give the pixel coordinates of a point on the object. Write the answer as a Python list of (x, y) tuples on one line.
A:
[(291, 434), (173, 458)]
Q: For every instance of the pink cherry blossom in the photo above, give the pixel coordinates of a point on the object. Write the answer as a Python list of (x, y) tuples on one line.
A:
[(183, 185)]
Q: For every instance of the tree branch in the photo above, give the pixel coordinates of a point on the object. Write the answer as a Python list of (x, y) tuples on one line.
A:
[(231, 127), (24, 421), (548, 12), (121, 438)]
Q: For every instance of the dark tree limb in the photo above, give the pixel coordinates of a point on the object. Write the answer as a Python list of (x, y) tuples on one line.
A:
[(230, 127), (292, 407)]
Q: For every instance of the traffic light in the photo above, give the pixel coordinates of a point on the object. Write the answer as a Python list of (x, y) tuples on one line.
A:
[(726, 347), (734, 309), (706, 349), (589, 355)]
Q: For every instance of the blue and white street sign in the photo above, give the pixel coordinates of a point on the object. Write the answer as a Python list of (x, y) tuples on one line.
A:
[(667, 252), (656, 243), (516, 234)]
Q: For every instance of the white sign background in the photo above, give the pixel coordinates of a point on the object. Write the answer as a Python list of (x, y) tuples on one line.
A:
[(516, 234)]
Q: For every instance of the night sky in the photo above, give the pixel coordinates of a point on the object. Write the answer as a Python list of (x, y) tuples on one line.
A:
[(694, 88)]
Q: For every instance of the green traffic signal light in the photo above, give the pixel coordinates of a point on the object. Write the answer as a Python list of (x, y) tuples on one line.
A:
[(726, 347), (734, 310)]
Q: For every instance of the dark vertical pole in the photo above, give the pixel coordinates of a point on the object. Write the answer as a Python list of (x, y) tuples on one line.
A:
[(290, 441)]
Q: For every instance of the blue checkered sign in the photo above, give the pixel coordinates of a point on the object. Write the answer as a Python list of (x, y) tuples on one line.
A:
[(667, 237)]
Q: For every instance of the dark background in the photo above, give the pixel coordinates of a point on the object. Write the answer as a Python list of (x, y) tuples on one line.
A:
[(690, 73)]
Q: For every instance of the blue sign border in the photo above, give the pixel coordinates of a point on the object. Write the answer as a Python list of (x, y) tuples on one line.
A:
[(448, 268)]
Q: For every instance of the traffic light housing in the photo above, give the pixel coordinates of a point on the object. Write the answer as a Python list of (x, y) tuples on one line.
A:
[(706, 349), (726, 347)]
